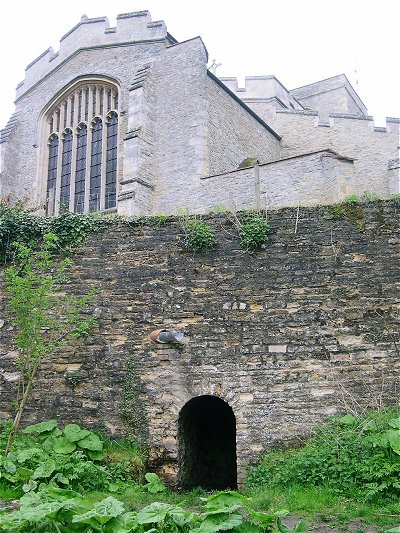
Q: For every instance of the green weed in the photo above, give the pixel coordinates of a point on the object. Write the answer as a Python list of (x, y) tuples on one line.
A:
[(355, 457), (253, 230), (199, 236), (51, 509)]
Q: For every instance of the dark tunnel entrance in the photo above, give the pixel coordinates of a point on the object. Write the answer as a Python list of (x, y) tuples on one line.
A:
[(207, 444)]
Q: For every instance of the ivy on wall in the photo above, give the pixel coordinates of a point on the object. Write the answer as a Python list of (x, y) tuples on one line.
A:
[(132, 411), (20, 225)]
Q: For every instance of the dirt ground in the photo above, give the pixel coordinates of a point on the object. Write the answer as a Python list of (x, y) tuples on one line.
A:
[(354, 526)]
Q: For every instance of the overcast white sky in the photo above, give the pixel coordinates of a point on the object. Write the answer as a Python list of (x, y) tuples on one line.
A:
[(298, 41)]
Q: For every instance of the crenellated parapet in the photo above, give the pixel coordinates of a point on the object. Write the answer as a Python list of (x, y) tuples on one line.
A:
[(93, 32), (262, 88)]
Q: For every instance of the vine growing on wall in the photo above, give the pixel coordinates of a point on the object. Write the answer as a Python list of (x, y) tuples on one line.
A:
[(132, 411)]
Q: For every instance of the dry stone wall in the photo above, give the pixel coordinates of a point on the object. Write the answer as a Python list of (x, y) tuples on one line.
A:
[(288, 336)]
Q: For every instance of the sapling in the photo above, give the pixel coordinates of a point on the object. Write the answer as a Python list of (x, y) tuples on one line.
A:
[(44, 317)]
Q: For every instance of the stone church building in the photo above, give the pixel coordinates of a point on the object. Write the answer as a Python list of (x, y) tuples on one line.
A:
[(126, 118)]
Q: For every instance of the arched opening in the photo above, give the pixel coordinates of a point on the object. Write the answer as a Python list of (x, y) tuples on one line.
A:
[(207, 444)]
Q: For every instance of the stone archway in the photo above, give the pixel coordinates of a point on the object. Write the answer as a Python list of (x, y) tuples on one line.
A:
[(207, 444)]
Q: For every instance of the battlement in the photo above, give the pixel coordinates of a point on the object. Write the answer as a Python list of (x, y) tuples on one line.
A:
[(262, 88), (93, 32), (392, 124)]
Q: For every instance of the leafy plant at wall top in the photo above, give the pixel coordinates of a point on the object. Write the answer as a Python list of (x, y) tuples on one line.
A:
[(43, 316), (18, 224), (351, 208), (353, 212), (72, 229), (252, 228), (199, 235)]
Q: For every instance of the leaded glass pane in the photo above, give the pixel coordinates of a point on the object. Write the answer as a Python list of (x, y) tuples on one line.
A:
[(80, 169), (101, 100), (80, 106), (52, 175), (95, 166), (65, 114), (72, 110), (87, 103), (111, 162), (94, 94), (66, 160)]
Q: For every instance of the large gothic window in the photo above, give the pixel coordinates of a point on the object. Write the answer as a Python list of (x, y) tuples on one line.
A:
[(82, 143)]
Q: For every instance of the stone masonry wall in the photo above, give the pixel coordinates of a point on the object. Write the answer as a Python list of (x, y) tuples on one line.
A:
[(351, 137), (181, 119), (234, 134), (317, 178), (26, 168), (304, 329)]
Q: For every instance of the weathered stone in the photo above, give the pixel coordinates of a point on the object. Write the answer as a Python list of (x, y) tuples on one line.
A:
[(314, 327)]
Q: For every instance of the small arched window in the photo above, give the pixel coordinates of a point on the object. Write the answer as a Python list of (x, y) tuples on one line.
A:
[(82, 149)]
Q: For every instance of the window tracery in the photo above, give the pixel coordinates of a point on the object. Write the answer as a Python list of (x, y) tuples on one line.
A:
[(82, 145)]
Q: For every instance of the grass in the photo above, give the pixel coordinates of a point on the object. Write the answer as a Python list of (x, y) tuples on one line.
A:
[(321, 504), (313, 504), (9, 493), (134, 497)]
